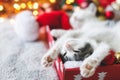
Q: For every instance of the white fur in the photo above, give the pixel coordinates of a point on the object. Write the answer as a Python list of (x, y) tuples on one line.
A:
[(87, 17), (81, 16), (26, 26)]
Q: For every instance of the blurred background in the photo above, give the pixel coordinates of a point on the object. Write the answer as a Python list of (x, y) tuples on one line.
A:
[(9, 8)]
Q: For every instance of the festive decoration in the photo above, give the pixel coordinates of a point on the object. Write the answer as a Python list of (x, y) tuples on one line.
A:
[(67, 7), (102, 75), (110, 59), (77, 77), (109, 14), (117, 55), (55, 19), (26, 27), (42, 33), (83, 3), (15, 6)]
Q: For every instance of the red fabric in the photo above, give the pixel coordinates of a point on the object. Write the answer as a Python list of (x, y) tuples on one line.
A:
[(110, 59), (111, 72), (55, 19), (105, 3)]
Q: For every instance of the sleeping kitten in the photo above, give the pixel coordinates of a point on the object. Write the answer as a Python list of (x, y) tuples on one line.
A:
[(101, 39), (73, 51)]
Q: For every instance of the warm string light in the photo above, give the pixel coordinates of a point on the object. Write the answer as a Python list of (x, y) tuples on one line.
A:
[(29, 4), (23, 5), (1, 8), (2, 19), (52, 1), (35, 12), (16, 0), (35, 5), (19, 5), (70, 1), (16, 6)]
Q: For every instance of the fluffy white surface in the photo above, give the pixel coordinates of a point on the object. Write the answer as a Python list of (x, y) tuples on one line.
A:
[(72, 64), (26, 26), (21, 60)]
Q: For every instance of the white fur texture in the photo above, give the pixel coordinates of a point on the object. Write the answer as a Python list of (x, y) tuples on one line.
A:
[(21, 60), (87, 17), (26, 26), (81, 16)]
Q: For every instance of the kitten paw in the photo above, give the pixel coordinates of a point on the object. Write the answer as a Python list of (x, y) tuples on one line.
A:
[(46, 61), (57, 33), (88, 67), (54, 33)]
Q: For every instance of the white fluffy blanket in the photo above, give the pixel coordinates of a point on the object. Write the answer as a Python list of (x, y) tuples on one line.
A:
[(21, 60)]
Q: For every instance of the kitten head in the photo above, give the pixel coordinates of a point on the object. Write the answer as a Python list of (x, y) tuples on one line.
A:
[(80, 15), (77, 49)]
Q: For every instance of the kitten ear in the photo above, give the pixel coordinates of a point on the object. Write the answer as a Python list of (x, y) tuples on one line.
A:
[(92, 8), (76, 9)]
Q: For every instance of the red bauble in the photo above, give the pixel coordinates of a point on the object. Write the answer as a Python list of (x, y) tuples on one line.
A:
[(42, 33), (82, 3), (109, 14)]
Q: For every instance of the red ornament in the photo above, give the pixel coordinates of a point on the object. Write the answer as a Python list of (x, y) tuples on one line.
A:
[(82, 3), (42, 33), (109, 14)]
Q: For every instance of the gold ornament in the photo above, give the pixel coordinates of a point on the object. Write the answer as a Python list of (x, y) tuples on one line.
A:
[(100, 9), (117, 55), (96, 2), (101, 17)]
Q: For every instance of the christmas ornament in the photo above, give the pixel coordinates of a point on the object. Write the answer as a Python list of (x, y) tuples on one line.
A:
[(100, 9), (109, 14), (117, 55), (67, 7), (42, 33), (95, 2), (101, 17), (83, 3)]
